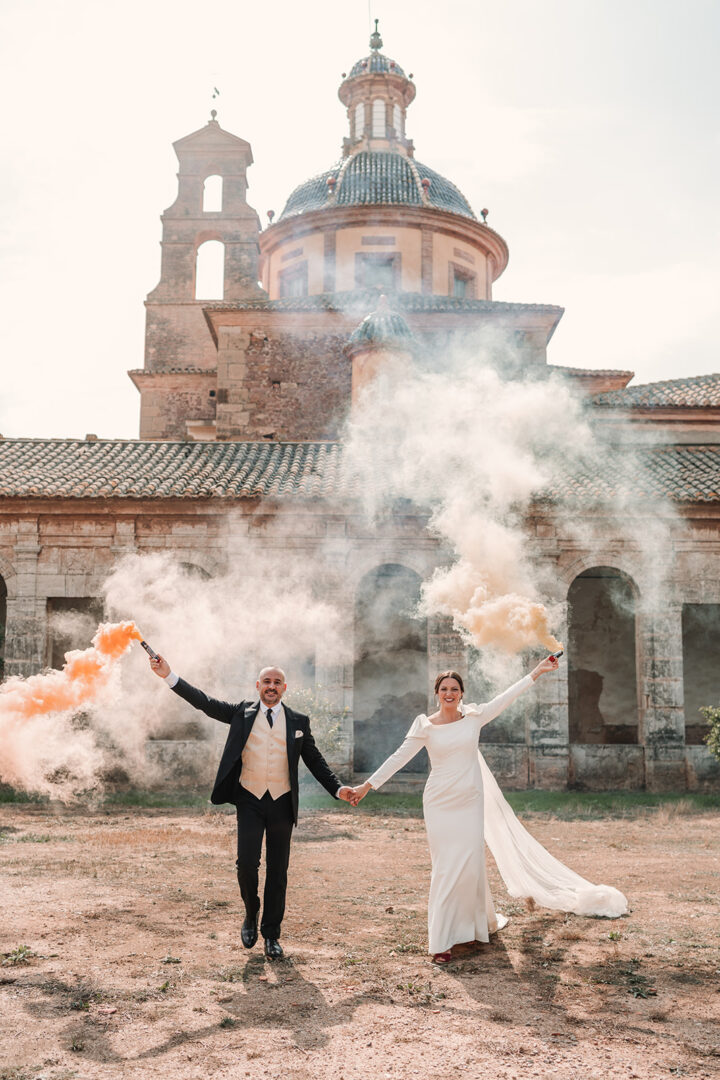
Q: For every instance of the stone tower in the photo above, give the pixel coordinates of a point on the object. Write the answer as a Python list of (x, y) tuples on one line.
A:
[(180, 358)]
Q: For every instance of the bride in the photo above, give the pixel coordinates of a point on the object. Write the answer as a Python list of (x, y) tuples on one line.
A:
[(463, 808)]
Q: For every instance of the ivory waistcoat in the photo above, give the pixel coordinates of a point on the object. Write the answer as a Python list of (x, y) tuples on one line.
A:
[(264, 757)]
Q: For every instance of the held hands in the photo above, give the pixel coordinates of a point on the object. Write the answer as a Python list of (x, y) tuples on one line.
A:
[(550, 664), (160, 666), (354, 795)]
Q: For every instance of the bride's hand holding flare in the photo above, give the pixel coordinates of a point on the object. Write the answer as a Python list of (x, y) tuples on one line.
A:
[(550, 664)]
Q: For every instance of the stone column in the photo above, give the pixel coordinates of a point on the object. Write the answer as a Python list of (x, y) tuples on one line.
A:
[(662, 713), (446, 651), (333, 670), (26, 612), (548, 731), (329, 257)]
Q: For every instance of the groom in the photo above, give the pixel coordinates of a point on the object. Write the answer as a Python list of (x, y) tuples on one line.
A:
[(259, 773)]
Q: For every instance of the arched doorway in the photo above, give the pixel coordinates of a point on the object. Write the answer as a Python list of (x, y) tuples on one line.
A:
[(391, 667), (3, 623), (602, 670)]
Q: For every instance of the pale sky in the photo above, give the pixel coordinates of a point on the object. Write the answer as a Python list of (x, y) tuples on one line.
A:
[(589, 128)]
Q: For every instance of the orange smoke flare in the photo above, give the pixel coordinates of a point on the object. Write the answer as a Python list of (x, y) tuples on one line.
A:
[(82, 676)]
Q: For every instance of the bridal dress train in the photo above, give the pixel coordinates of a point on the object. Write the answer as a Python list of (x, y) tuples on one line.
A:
[(464, 808)]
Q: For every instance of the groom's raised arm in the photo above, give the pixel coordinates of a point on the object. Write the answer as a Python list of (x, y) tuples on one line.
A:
[(213, 707)]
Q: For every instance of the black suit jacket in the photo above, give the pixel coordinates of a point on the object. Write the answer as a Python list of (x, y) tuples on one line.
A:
[(241, 718)]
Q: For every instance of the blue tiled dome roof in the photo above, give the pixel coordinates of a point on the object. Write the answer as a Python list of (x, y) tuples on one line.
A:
[(377, 178), (376, 62), (382, 327)]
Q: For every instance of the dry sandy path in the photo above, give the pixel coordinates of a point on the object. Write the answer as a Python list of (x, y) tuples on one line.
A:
[(132, 921)]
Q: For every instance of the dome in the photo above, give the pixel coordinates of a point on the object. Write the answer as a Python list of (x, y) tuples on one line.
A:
[(374, 63), (382, 327), (378, 178)]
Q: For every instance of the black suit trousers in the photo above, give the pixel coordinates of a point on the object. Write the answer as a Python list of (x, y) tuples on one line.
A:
[(273, 819)]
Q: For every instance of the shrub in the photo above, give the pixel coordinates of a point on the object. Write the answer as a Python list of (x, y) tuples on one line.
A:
[(712, 739), (325, 718)]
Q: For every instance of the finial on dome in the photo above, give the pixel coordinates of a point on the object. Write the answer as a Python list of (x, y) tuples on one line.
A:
[(376, 42), (213, 115)]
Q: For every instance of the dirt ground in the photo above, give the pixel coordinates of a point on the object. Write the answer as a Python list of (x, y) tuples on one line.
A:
[(122, 956)]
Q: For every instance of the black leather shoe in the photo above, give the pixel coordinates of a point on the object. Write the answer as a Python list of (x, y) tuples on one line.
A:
[(273, 949), (248, 932)]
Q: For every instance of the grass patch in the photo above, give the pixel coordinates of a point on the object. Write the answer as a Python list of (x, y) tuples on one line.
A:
[(381, 805), (593, 805), (21, 955), (564, 805), (158, 800), (11, 795)]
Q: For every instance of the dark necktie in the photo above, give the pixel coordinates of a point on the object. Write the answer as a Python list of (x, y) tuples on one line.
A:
[(269, 717)]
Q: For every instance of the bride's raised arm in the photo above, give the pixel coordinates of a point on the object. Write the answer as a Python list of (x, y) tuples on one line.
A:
[(493, 708), (409, 747)]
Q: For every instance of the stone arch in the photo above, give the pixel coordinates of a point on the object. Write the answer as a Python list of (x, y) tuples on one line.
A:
[(602, 657), (9, 576), (422, 561), (391, 663), (210, 270), (212, 194), (3, 624), (576, 565)]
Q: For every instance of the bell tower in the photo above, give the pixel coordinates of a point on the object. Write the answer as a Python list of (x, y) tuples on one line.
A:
[(178, 382)]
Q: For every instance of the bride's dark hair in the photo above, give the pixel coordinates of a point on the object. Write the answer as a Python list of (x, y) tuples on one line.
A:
[(449, 675)]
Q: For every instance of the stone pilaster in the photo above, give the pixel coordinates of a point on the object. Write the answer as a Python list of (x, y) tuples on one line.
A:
[(548, 738), (329, 259), (26, 612), (662, 714), (548, 727), (446, 651), (333, 665), (426, 257)]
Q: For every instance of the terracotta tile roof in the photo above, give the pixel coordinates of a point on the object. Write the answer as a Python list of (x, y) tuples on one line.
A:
[(678, 473), (696, 392), (73, 468), (188, 369), (599, 372), (360, 301), (70, 468)]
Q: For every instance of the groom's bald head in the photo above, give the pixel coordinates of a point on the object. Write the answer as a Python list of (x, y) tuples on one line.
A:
[(271, 685)]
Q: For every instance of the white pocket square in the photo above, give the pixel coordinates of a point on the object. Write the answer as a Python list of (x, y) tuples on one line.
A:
[(298, 734)]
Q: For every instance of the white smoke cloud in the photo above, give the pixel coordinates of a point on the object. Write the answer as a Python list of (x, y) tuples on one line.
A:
[(217, 632), (475, 448)]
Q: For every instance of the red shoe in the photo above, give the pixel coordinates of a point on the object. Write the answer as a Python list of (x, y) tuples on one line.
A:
[(442, 957)]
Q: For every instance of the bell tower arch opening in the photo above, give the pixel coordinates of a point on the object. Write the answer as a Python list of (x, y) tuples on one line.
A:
[(213, 194), (210, 271)]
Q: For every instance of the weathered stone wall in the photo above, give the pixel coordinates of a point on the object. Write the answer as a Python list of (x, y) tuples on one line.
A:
[(169, 401), (54, 549), (282, 386), (177, 335)]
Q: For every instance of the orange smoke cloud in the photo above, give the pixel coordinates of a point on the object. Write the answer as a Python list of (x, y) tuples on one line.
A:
[(506, 621), (83, 675)]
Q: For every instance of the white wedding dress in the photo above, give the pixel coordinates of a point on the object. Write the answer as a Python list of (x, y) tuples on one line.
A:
[(463, 809)]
